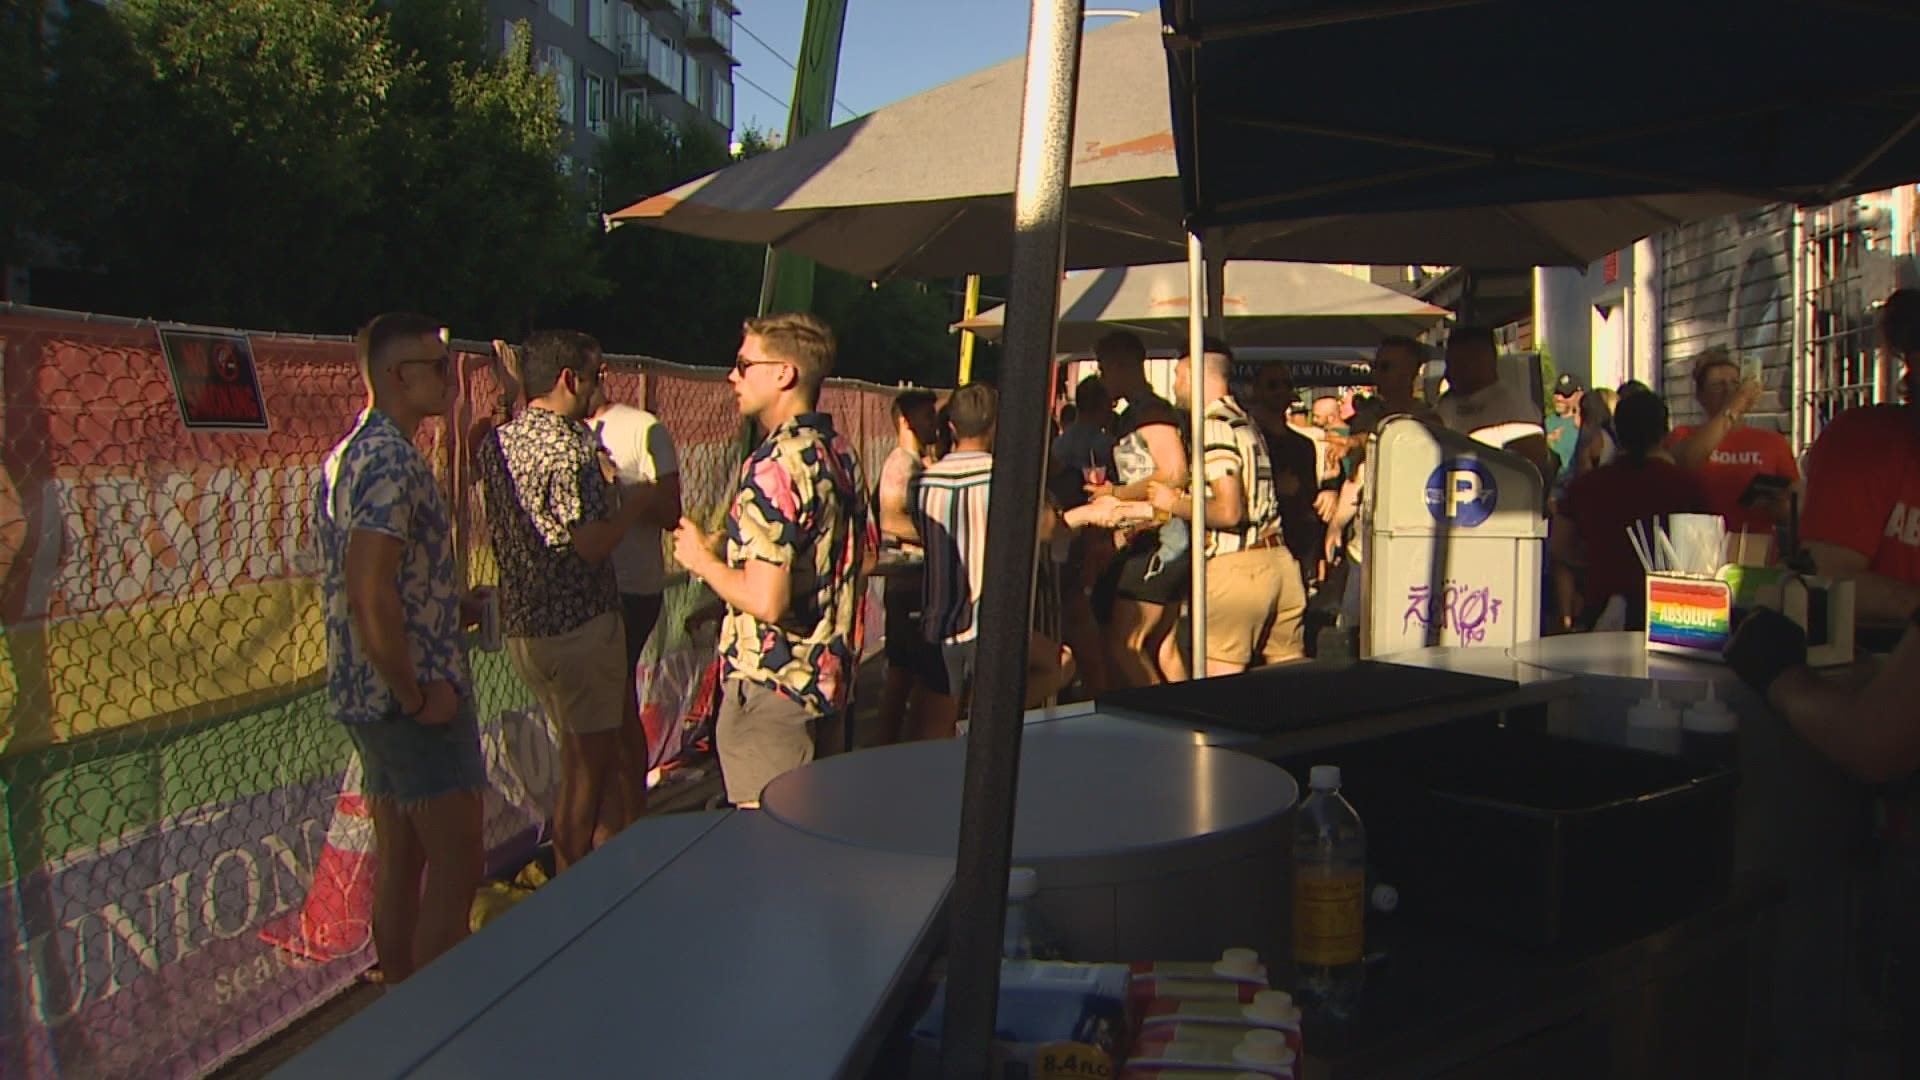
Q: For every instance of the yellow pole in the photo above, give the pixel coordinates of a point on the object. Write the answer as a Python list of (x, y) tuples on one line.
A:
[(966, 336)]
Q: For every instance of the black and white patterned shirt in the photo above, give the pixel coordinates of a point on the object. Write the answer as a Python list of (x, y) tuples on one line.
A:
[(540, 478)]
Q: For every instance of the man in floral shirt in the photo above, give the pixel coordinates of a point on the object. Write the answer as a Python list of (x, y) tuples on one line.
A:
[(554, 522), (396, 664), (798, 537)]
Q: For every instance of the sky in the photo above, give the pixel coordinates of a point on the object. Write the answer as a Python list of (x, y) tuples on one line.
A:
[(892, 49)]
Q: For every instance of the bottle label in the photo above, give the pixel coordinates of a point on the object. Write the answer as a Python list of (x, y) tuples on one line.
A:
[(1329, 917)]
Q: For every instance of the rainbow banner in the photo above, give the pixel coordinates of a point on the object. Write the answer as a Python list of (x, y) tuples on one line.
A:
[(1688, 616)]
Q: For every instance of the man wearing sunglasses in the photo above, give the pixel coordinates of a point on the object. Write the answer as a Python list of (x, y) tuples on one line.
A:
[(397, 674), (798, 537), (554, 523)]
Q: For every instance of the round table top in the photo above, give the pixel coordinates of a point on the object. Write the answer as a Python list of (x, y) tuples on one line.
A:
[(1081, 795), (1619, 653)]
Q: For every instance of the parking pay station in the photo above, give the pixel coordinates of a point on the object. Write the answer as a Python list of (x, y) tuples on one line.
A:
[(1454, 536)]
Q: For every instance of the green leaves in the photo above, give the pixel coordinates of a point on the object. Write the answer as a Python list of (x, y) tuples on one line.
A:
[(301, 164)]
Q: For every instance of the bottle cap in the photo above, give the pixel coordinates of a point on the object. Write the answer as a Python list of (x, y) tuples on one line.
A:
[(1651, 712), (1022, 883), (1265, 1037), (1256, 1051), (1709, 716), (1271, 1007), (1324, 778), (1273, 999), (1238, 961)]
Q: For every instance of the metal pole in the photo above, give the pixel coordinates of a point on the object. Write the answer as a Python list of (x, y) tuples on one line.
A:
[(968, 311), (978, 901), (1215, 252), (1196, 444)]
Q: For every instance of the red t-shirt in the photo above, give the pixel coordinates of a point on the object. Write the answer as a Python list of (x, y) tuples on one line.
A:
[(1745, 453), (1604, 502), (1863, 488)]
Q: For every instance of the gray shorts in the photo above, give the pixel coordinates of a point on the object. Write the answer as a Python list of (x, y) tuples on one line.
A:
[(759, 734), (961, 661), (408, 762)]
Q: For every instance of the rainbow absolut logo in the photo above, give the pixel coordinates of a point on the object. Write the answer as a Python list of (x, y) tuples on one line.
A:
[(1694, 615)]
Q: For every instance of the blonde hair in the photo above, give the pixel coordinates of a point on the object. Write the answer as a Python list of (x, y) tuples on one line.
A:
[(799, 339)]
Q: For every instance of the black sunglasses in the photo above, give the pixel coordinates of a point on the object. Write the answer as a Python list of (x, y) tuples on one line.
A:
[(741, 364), (442, 364)]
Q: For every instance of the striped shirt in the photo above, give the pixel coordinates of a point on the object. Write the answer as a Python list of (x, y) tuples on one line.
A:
[(1234, 447), (950, 510)]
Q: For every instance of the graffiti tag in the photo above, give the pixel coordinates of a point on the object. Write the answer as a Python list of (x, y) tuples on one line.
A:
[(1467, 611)]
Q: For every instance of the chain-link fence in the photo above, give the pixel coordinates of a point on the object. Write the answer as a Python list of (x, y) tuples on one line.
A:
[(186, 863)]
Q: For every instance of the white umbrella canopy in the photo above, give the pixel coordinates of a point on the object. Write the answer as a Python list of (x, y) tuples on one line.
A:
[(1265, 303), (924, 187)]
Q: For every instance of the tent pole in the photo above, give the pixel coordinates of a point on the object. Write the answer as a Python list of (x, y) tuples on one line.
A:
[(968, 311), (977, 903), (1197, 286), (1216, 257)]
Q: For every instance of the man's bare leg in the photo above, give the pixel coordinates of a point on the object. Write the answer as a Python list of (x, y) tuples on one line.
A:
[(632, 765), (1128, 639), (448, 828), (1166, 645), (895, 695), (398, 860), (585, 761)]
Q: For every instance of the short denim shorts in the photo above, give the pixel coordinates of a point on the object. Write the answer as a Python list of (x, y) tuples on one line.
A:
[(408, 762)]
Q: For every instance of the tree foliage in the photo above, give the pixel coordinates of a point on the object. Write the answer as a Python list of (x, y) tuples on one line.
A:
[(300, 163)]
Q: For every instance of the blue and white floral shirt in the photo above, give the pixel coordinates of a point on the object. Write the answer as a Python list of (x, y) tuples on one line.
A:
[(375, 480)]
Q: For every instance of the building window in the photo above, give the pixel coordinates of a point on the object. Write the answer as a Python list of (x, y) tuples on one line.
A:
[(506, 37), (596, 104), (722, 101), (600, 21), (695, 90), (562, 10), (558, 64), (635, 108)]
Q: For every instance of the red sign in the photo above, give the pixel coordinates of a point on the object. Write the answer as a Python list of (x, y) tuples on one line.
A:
[(1610, 268), (215, 381)]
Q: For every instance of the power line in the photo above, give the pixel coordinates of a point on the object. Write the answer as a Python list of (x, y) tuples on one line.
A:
[(764, 92), (743, 28)]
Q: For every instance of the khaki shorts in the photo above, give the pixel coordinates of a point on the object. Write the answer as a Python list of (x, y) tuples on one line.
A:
[(1285, 639), (1255, 604), (576, 676), (759, 734)]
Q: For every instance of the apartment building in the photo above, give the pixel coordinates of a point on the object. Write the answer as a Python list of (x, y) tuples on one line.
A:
[(670, 60)]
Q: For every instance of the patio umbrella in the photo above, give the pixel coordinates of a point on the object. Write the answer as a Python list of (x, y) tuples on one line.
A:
[(1263, 303), (924, 187)]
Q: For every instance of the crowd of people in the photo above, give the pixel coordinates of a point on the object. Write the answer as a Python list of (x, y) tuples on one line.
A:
[(581, 495)]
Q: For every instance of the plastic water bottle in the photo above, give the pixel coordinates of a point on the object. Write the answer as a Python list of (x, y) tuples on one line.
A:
[(1022, 885), (1329, 896)]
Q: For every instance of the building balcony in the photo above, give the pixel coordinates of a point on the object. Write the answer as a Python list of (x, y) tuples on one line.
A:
[(710, 26), (642, 61)]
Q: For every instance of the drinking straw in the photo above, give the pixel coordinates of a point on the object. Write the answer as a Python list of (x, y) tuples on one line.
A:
[(1666, 546), (1639, 549)]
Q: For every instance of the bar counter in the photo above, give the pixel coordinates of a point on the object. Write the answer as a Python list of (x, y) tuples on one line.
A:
[(729, 944)]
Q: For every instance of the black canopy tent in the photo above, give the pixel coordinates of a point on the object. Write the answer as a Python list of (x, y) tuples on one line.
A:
[(1530, 106)]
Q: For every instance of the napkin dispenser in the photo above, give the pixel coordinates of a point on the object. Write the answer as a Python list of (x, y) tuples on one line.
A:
[(1824, 608), (1693, 615)]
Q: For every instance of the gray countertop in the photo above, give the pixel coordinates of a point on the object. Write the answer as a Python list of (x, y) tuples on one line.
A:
[(712, 945)]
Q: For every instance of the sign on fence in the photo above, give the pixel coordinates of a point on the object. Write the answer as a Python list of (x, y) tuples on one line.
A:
[(215, 381)]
